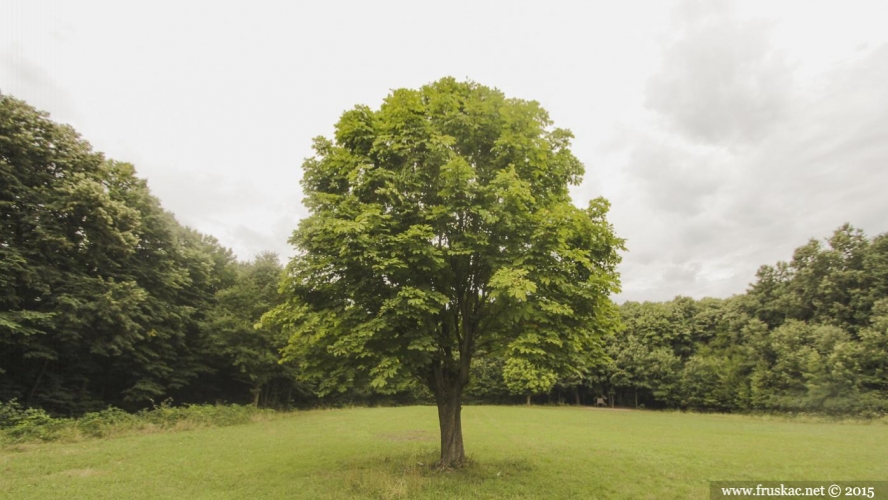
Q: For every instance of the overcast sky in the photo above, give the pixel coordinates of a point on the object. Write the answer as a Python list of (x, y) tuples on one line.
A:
[(724, 134)]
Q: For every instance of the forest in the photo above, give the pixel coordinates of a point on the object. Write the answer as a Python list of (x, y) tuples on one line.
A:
[(107, 300)]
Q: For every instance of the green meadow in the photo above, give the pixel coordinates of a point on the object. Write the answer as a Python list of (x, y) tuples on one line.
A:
[(514, 452)]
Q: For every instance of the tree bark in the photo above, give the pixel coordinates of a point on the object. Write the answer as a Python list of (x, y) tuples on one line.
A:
[(448, 377), (449, 400), (257, 391), (528, 400), (37, 383)]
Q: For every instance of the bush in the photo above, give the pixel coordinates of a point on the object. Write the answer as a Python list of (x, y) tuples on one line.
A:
[(10, 413), (18, 424), (105, 422), (30, 424), (167, 416)]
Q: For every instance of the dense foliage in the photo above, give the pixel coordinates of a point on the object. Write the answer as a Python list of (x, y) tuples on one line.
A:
[(441, 230), (19, 424), (810, 335), (104, 296), (105, 299)]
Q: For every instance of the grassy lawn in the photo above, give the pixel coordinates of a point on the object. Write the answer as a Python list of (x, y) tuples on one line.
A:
[(516, 452)]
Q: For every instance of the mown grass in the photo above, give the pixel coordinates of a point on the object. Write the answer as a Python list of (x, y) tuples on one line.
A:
[(515, 452)]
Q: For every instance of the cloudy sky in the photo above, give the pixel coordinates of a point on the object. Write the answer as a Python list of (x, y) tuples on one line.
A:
[(724, 134)]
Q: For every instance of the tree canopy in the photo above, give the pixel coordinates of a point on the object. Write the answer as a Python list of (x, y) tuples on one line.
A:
[(441, 229), (104, 296)]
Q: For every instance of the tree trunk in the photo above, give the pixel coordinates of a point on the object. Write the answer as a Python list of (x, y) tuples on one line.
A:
[(81, 395), (449, 400), (636, 398), (257, 391), (448, 377), (577, 396), (266, 389), (37, 383)]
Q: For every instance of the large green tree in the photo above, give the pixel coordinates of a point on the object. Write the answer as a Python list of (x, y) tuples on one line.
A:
[(441, 229), (102, 291)]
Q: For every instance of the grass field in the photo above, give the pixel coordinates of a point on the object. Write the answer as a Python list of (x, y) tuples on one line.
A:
[(515, 452)]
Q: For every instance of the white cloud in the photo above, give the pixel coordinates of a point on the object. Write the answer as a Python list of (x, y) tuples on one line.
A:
[(724, 134), (718, 201), (722, 82)]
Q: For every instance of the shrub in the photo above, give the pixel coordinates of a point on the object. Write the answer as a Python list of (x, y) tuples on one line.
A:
[(30, 424), (18, 424), (105, 422), (166, 415)]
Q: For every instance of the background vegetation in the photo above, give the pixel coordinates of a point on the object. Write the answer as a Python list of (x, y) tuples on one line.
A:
[(810, 335), (105, 299)]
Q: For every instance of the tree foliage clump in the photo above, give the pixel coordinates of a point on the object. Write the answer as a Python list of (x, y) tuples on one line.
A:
[(441, 230)]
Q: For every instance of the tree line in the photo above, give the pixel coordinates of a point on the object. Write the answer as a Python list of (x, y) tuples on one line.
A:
[(809, 335), (106, 299)]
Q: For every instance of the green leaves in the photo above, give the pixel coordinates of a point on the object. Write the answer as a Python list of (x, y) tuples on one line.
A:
[(810, 335), (441, 226), (834, 284), (523, 377), (97, 281), (512, 283)]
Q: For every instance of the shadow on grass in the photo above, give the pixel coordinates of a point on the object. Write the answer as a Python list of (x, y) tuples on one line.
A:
[(415, 474)]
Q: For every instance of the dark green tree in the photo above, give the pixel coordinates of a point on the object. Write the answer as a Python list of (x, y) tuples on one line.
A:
[(232, 326), (62, 240), (101, 290)]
